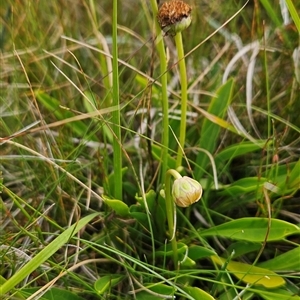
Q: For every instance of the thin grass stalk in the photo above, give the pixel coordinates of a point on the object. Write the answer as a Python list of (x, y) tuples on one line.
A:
[(117, 158), (268, 98)]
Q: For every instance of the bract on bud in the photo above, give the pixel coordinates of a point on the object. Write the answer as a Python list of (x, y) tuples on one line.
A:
[(174, 16), (186, 191)]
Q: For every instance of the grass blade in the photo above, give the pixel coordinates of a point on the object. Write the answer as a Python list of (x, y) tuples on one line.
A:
[(47, 252)]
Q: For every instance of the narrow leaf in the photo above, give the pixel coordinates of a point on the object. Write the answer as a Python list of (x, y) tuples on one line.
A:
[(157, 291), (197, 293), (53, 105), (118, 206), (52, 294), (253, 229), (211, 127), (239, 149), (295, 16), (251, 274), (276, 294), (105, 283), (289, 260)]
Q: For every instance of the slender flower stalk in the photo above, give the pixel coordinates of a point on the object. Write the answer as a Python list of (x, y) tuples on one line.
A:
[(183, 81), (185, 192), (171, 213), (173, 17), (116, 127)]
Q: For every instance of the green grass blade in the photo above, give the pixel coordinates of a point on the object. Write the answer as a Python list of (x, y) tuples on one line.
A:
[(269, 7), (53, 106), (210, 131), (47, 252), (239, 149), (294, 179), (295, 16)]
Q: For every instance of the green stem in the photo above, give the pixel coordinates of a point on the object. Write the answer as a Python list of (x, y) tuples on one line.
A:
[(164, 84), (116, 113), (183, 82), (171, 209)]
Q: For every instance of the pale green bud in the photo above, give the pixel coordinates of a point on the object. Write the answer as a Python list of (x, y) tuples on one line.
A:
[(186, 191)]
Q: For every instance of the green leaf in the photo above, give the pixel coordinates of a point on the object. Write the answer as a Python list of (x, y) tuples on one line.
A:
[(150, 199), (210, 130), (183, 254), (240, 248), (197, 293), (270, 9), (141, 217), (167, 250), (118, 206), (253, 229), (251, 274), (112, 181), (43, 255), (144, 83), (287, 261), (157, 154), (186, 262), (198, 252), (295, 16), (291, 182), (239, 149), (147, 296), (53, 105), (243, 186), (157, 291), (52, 294), (90, 103), (105, 283), (276, 294)]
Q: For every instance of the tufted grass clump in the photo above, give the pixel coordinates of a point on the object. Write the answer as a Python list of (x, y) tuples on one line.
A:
[(98, 105)]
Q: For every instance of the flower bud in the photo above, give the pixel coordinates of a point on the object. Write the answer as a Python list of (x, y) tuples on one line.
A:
[(186, 191), (174, 16)]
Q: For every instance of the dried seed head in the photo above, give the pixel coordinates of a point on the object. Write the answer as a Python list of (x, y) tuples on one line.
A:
[(174, 16)]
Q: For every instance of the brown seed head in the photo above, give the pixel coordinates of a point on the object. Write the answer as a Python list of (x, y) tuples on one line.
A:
[(173, 12)]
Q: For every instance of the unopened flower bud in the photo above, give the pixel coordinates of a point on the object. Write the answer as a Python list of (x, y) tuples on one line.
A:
[(186, 191), (174, 16)]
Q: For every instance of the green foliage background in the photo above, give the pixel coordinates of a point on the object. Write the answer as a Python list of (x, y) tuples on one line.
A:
[(61, 229)]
